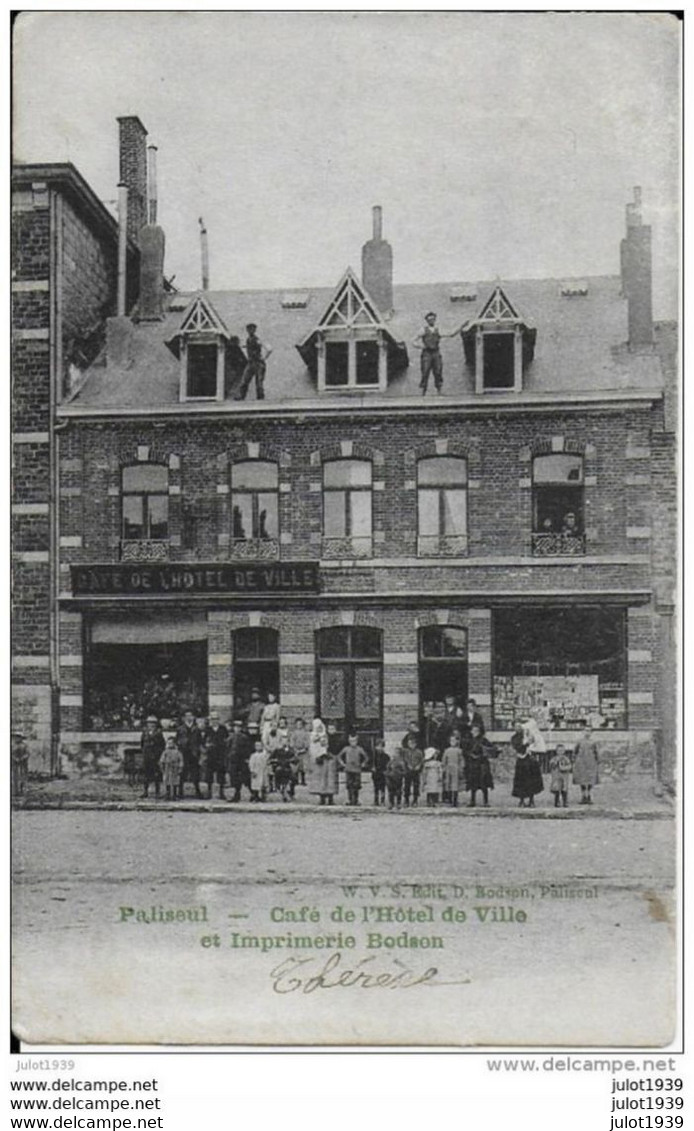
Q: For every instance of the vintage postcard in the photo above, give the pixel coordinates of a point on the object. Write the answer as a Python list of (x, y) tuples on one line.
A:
[(345, 451)]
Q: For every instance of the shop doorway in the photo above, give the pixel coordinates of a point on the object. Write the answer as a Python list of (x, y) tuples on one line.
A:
[(256, 664), (442, 664), (350, 681)]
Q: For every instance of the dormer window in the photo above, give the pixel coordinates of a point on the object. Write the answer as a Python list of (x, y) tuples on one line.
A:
[(201, 345), (201, 376), (351, 348), (498, 345)]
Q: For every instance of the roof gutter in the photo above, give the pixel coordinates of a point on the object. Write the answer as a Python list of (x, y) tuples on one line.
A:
[(349, 404)]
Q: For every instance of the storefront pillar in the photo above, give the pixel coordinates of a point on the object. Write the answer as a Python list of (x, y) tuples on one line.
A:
[(642, 676), (219, 662), (71, 671), (298, 686), (480, 660)]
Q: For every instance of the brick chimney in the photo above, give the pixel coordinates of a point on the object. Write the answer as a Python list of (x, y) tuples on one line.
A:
[(377, 265), (133, 172), (635, 256)]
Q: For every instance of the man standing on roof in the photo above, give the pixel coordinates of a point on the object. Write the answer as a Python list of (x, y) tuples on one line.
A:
[(428, 342), (257, 355)]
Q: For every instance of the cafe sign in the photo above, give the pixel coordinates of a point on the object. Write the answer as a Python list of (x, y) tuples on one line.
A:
[(195, 578)]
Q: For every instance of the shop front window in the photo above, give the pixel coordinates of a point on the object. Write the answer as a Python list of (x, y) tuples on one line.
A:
[(347, 522), (441, 505), (256, 667), (135, 667), (558, 505), (350, 681), (566, 667), (145, 512)]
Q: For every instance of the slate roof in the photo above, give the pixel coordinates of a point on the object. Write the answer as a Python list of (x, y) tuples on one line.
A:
[(581, 344)]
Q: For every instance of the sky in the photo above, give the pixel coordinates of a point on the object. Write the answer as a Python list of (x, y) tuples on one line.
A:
[(498, 144)]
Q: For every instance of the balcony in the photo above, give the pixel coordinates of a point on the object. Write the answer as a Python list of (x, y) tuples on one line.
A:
[(255, 549), (144, 550), (356, 546), (558, 545), (441, 545)]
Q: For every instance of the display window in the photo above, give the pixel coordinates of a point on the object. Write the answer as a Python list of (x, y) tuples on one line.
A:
[(565, 667)]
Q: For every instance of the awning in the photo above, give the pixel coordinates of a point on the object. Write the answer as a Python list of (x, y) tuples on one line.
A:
[(149, 628)]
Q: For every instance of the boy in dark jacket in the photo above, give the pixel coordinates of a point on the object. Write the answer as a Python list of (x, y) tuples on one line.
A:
[(379, 765)]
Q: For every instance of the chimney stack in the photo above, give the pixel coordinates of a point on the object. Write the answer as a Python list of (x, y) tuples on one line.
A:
[(377, 265), (636, 269), (133, 172), (204, 255), (122, 248), (151, 184)]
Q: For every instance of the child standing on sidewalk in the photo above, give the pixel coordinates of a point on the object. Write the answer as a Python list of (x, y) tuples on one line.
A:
[(171, 766), (352, 759), (560, 769), (395, 775), (379, 765), (432, 776), (257, 764)]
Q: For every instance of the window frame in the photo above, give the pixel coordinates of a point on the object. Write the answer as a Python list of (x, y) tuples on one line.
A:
[(254, 494), (352, 339), (558, 542), (347, 491), (145, 495), (442, 543), (192, 342)]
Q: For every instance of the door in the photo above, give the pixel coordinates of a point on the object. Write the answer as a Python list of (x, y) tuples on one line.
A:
[(350, 682)]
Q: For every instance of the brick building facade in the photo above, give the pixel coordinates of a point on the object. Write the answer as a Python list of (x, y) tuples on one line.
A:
[(352, 546)]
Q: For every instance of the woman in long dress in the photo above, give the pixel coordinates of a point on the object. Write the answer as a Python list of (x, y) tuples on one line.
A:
[(527, 778), (586, 766), (322, 764)]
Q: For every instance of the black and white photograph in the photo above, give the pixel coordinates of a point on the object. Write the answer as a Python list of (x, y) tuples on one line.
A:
[(345, 538)]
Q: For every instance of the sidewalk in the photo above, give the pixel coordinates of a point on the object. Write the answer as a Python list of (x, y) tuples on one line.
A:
[(627, 798)]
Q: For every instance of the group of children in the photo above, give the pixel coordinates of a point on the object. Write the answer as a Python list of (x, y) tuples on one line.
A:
[(266, 757)]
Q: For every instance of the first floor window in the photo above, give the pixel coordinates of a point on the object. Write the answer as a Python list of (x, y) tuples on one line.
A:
[(347, 499), (254, 501), (145, 502), (558, 504), (442, 496)]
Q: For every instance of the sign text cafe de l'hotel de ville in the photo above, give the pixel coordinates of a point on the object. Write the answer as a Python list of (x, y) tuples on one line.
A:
[(223, 490)]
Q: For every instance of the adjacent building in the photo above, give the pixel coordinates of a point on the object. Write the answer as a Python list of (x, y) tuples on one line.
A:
[(353, 546)]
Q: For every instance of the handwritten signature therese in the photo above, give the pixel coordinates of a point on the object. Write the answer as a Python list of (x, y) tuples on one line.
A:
[(295, 974)]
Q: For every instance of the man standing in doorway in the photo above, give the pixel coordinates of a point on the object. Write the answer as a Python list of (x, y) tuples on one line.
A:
[(257, 355), (428, 341)]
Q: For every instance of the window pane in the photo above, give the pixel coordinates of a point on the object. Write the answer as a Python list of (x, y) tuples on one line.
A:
[(267, 516), (202, 371), (558, 469), (442, 471), (132, 517), (454, 510), (367, 363), (334, 524), (499, 361), (333, 642), (430, 642), (366, 643), (267, 646), (428, 505), (158, 506), (454, 642), (145, 477), (347, 473), (246, 644), (336, 363), (360, 503), (254, 475), (242, 517)]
